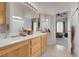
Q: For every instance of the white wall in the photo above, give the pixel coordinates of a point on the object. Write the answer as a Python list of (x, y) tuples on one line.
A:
[(45, 25), (51, 25)]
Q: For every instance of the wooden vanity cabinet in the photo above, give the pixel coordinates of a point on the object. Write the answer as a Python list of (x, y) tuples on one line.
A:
[(38, 45), (21, 49), (44, 40), (35, 46)]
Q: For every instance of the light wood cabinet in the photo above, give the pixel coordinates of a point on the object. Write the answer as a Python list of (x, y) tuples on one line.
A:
[(2, 13), (33, 47), (44, 42), (39, 45), (36, 47), (21, 49)]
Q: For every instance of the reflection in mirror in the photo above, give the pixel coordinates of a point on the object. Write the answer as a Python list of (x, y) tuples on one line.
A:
[(16, 26), (34, 25)]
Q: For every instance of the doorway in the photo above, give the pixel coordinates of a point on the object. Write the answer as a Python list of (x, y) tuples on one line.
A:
[(61, 29)]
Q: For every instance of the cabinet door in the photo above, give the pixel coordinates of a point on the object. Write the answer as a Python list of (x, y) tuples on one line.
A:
[(36, 50), (2, 6), (36, 47), (44, 42), (19, 50), (23, 51), (35, 41), (2, 17)]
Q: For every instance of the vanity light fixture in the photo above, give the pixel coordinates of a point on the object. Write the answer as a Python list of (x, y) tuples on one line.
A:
[(16, 17)]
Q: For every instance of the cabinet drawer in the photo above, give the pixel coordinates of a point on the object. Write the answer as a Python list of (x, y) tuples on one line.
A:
[(44, 36), (12, 48), (35, 48), (38, 53), (35, 41)]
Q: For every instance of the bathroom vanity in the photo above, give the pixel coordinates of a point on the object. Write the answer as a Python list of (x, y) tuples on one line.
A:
[(30, 46)]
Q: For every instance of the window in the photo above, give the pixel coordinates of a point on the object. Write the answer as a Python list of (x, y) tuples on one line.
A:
[(60, 26), (34, 26)]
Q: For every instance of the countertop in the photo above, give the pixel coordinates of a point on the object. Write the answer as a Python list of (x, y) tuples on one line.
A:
[(9, 41)]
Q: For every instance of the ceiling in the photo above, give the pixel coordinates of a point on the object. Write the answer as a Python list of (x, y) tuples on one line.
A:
[(52, 7), (24, 10)]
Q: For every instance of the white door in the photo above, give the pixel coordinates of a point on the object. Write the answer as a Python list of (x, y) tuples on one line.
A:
[(69, 36), (69, 32)]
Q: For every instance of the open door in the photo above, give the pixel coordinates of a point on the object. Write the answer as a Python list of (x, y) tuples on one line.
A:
[(69, 32), (69, 37)]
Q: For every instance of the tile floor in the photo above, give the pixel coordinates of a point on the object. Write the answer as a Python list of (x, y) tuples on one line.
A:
[(58, 50), (62, 41)]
